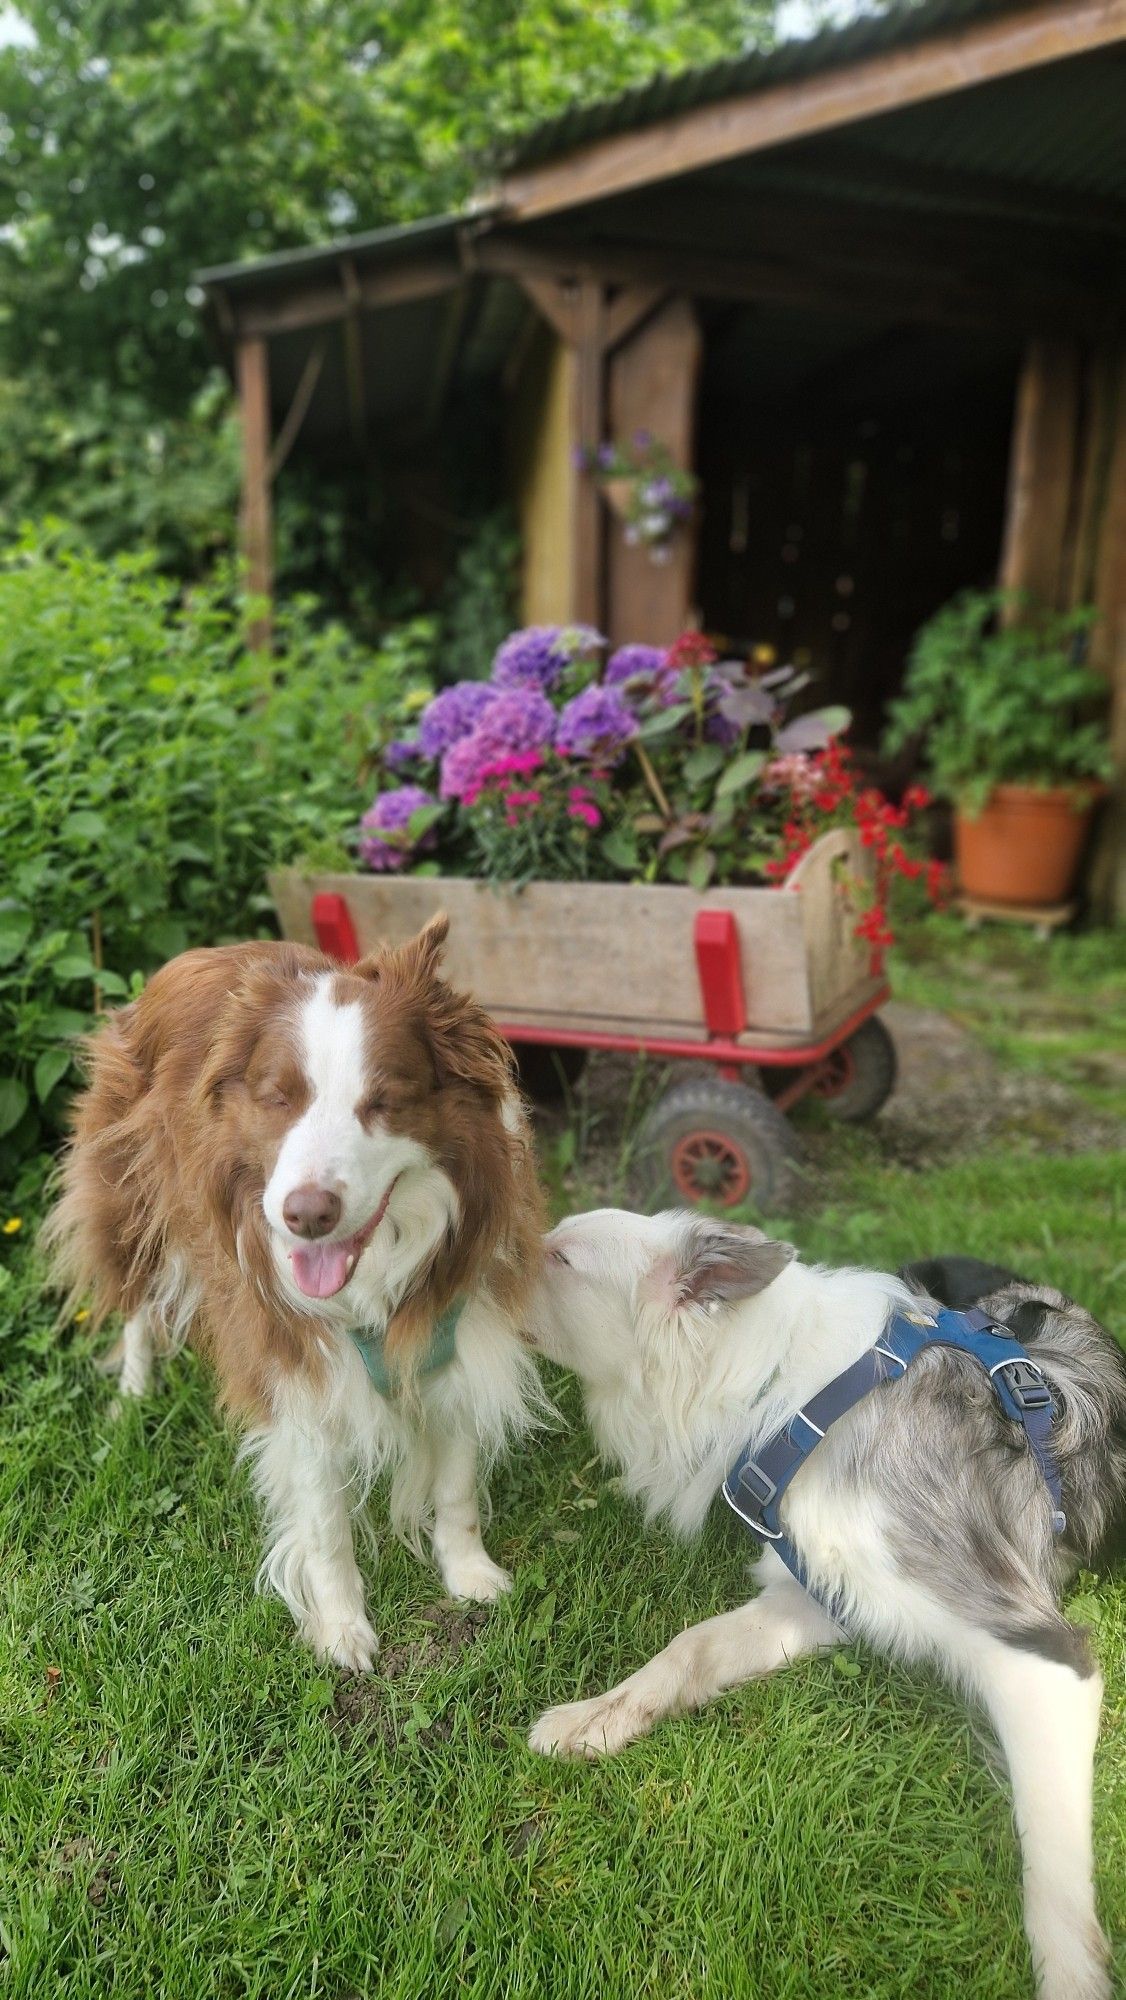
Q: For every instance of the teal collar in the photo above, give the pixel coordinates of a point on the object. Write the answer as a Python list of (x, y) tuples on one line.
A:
[(441, 1351)]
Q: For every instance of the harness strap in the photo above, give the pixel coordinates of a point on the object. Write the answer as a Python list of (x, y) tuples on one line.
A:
[(440, 1352), (757, 1481)]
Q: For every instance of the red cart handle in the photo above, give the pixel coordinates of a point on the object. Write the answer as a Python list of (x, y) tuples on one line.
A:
[(721, 972)]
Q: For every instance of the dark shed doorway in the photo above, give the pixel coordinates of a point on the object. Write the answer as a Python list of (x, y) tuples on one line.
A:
[(853, 480)]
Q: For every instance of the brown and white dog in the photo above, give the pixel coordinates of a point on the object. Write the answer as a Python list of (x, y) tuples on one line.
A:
[(274, 1154)]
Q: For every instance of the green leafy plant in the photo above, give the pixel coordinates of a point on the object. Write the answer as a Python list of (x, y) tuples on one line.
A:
[(999, 702), (153, 770)]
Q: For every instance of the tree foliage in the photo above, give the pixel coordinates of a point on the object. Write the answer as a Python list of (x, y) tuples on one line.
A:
[(141, 139)]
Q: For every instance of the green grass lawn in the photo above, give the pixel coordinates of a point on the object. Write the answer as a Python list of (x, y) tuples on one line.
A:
[(191, 1806)]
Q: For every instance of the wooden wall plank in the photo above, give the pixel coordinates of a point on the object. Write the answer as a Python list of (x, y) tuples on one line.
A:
[(617, 957), (1108, 879), (1042, 471)]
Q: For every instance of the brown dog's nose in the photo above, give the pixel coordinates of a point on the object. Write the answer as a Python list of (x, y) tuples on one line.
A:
[(311, 1211)]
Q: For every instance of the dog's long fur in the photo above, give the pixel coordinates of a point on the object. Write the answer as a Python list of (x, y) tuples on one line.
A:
[(240, 1075), (923, 1508)]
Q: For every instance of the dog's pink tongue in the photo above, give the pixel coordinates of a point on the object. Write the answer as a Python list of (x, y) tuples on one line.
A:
[(321, 1269)]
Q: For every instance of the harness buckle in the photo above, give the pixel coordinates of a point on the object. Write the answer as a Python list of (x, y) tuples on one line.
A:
[(757, 1483), (1025, 1384)]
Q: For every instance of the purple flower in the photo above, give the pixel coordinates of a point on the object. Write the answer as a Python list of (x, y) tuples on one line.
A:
[(529, 659), (519, 719), (391, 814), (400, 755), (643, 671), (538, 656), (452, 715), (718, 728), (598, 724)]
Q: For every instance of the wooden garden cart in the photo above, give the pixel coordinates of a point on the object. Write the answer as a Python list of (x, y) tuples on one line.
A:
[(767, 987)]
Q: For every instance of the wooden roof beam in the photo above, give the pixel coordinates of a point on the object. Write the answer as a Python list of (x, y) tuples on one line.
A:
[(321, 305), (980, 52), (898, 292)]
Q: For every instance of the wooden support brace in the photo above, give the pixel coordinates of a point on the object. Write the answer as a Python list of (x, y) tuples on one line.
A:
[(298, 410), (633, 305), (554, 300)]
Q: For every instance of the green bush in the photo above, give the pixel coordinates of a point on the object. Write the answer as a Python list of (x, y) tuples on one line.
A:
[(151, 770)]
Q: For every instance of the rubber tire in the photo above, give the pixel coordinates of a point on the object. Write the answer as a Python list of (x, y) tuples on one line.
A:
[(548, 1073), (874, 1070), (745, 1117)]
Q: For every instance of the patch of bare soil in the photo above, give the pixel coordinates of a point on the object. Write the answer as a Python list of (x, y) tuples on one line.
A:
[(360, 1711), (82, 1858), (954, 1097)]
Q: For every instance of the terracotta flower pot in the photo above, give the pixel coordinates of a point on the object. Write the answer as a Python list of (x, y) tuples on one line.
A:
[(1025, 845), (618, 494)]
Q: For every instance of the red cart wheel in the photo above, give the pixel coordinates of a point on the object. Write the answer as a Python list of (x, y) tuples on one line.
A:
[(708, 1166), (837, 1072), (718, 1143), (854, 1080), (859, 1076)]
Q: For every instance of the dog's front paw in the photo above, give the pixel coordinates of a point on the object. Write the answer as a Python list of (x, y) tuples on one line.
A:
[(351, 1642), (594, 1728), (477, 1577)]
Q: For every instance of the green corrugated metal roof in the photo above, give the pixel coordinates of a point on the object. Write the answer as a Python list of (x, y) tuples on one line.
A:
[(373, 246), (685, 90)]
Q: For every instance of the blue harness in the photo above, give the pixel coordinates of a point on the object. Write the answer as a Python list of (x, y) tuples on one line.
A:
[(756, 1483)]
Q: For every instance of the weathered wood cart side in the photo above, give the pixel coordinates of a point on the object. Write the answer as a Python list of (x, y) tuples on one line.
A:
[(747, 980)]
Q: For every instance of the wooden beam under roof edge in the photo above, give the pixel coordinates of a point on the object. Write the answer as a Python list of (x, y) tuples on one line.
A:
[(942, 64)]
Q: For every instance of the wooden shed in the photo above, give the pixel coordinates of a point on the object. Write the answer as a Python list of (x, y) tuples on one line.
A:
[(870, 288)]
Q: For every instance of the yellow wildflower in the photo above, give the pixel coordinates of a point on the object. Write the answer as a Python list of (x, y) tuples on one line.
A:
[(82, 1313), (13, 1225)]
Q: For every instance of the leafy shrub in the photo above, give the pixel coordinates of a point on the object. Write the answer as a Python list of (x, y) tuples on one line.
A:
[(151, 770), (998, 703)]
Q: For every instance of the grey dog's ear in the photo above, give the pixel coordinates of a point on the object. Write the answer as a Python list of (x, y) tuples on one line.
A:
[(716, 1266)]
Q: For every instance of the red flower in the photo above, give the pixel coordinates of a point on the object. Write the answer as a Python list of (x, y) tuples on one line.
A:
[(691, 649)]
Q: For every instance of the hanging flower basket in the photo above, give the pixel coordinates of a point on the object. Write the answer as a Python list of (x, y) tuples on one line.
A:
[(645, 489)]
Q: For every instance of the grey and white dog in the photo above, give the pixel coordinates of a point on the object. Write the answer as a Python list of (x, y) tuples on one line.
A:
[(923, 1514)]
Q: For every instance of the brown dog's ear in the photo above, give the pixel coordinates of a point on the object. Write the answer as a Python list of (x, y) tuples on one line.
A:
[(716, 1266), (419, 957)]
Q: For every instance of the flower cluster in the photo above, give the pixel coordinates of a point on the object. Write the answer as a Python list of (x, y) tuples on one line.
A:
[(513, 721), (824, 790), (671, 765), (540, 655), (597, 724), (385, 837)]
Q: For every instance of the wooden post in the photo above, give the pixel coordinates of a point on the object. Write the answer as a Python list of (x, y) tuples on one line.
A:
[(588, 585), (653, 379), (1108, 652), (255, 527), (1042, 471)]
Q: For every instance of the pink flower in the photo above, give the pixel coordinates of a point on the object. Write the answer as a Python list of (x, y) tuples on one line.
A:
[(584, 810)]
